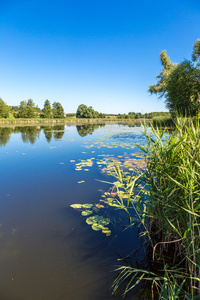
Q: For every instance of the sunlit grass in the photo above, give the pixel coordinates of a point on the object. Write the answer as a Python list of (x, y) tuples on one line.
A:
[(167, 211)]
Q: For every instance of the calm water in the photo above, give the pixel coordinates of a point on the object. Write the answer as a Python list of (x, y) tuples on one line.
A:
[(47, 251)]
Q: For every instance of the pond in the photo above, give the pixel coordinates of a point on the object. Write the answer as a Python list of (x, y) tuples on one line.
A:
[(47, 251)]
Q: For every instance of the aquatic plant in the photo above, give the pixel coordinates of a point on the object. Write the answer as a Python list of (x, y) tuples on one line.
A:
[(167, 209), (97, 222)]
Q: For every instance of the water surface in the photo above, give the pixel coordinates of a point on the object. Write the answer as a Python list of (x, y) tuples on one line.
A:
[(47, 251)]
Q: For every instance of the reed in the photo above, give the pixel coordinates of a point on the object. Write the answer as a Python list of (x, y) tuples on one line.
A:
[(167, 209)]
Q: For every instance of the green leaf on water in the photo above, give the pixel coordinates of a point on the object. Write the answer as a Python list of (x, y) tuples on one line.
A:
[(97, 227), (87, 212), (87, 205), (75, 206)]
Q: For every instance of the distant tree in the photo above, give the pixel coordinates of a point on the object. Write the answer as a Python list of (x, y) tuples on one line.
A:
[(102, 116), (86, 112), (27, 109), (47, 110), (14, 108), (31, 109), (4, 109), (58, 110), (22, 113)]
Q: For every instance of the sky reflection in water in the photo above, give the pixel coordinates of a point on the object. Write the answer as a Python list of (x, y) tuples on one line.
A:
[(47, 251)]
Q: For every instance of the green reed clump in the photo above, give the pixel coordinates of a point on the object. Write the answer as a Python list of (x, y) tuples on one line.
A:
[(163, 121), (170, 215)]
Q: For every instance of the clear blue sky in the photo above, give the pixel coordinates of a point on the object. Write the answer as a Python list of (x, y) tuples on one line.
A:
[(102, 53)]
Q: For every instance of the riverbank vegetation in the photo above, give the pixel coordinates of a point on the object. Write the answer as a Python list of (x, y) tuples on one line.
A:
[(28, 111), (166, 209)]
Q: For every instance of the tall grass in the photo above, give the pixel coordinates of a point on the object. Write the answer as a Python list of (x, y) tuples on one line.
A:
[(168, 211), (163, 121)]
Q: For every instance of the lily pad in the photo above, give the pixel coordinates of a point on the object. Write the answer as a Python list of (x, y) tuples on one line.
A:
[(87, 205), (106, 230), (76, 206), (97, 227), (87, 212)]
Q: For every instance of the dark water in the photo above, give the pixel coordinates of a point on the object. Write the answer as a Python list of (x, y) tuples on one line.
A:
[(47, 251)]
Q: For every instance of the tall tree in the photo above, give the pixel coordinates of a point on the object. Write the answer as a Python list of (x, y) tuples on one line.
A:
[(168, 67), (27, 109), (47, 110), (31, 109), (180, 83), (22, 110), (86, 112), (183, 89), (4, 109), (58, 110)]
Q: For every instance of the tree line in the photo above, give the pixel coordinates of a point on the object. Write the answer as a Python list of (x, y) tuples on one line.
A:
[(27, 109)]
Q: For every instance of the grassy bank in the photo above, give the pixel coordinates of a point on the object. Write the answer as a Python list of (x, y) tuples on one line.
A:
[(70, 120), (165, 198)]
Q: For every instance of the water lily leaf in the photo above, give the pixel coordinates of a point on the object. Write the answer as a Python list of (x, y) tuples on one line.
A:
[(106, 230), (89, 221), (97, 227), (75, 206), (87, 205), (87, 212), (99, 205)]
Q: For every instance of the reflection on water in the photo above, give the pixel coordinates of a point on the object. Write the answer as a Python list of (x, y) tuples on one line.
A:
[(32, 133), (84, 130), (47, 251)]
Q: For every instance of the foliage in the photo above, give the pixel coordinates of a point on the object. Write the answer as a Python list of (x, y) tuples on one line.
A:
[(163, 121), (4, 109), (180, 84), (167, 209), (97, 222), (58, 110), (47, 110), (160, 87), (183, 89), (196, 52), (134, 115), (88, 112), (27, 109)]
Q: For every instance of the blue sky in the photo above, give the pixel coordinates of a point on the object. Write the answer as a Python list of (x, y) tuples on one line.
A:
[(101, 53)]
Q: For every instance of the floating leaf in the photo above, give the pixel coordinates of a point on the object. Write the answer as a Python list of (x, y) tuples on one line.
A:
[(97, 227), (87, 205), (106, 230), (86, 212), (76, 206), (99, 205)]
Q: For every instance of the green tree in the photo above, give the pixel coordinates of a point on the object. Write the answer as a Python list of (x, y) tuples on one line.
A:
[(4, 109), (196, 52), (47, 110), (58, 110), (22, 113), (180, 83), (31, 109), (160, 86), (183, 89), (88, 112), (27, 109)]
